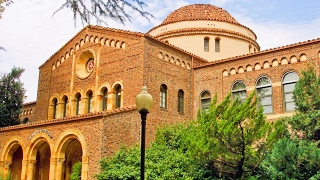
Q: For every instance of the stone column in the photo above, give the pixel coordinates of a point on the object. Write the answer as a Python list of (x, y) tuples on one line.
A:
[(30, 169), (24, 169), (4, 167), (85, 167), (59, 168)]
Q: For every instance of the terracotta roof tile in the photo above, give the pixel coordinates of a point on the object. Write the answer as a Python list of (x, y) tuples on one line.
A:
[(199, 12)]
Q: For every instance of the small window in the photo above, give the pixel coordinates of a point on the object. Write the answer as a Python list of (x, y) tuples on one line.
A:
[(65, 106), (55, 108), (206, 44), (205, 100), (239, 91), (78, 104), (217, 45), (118, 96), (163, 96), (264, 92), (105, 99), (180, 101), (90, 102), (288, 84)]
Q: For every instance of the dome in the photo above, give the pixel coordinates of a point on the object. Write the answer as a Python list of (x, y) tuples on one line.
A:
[(196, 12)]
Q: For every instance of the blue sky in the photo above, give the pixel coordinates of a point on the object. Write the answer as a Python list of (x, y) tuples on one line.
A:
[(31, 34)]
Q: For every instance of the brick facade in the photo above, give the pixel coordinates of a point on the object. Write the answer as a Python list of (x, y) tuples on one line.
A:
[(63, 129)]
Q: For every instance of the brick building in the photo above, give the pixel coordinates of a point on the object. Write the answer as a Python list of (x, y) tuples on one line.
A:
[(85, 108)]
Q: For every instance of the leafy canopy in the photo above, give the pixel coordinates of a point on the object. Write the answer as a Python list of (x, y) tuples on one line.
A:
[(306, 121), (11, 97), (231, 138), (228, 141)]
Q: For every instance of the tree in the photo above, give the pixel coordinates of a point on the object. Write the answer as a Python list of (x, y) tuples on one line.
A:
[(165, 159), (11, 97), (291, 159), (97, 9), (306, 122), (232, 138), (76, 171), (228, 141)]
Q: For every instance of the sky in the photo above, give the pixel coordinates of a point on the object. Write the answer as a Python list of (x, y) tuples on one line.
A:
[(30, 32)]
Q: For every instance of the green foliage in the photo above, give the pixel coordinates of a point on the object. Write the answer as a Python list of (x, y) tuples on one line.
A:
[(8, 177), (224, 142), (291, 159), (11, 97), (231, 138), (307, 98), (76, 171), (164, 160)]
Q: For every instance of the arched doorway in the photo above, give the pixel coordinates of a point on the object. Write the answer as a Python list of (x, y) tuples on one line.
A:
[(39, 160), (73, 154), (16, 165), (11, 158), (42, 165), (70, 149)]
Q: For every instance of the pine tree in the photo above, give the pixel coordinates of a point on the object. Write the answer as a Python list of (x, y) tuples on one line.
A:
[(11, 97), (306, 121), (232, 138)]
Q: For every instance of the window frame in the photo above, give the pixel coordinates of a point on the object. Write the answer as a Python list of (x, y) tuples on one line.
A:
[(118, 97), (217, 44), (65, 106), (233, 91), (205, 106), (283, 84), (181, 101), (163, 96), (90, 99), (78, 104), (55, 108), (104, 99), (206, 44), (261, 87)]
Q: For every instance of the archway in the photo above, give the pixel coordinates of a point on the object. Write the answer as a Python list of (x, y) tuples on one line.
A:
[(12, 157), (16, 165), (38, 165), (71, 148)]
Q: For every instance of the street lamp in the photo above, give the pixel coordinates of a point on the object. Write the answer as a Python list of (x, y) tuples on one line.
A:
[(144, 103)]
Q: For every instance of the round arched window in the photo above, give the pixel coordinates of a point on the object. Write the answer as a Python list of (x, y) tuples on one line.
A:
[(85, 64)]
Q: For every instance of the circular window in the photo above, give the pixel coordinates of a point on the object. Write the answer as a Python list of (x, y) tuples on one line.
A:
[(85, 64), (90, 65)]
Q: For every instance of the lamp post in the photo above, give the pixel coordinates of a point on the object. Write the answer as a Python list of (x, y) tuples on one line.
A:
[(144, 103)]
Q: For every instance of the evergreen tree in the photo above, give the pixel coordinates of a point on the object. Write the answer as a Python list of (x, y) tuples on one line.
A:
[(231, 138), (291, 159), (11, 97), (306, 122)]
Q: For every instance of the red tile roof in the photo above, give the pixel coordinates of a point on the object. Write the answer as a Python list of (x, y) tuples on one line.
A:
[(196, 12)]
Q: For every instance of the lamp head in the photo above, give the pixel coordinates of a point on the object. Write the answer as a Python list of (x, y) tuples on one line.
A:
[(144, 99)]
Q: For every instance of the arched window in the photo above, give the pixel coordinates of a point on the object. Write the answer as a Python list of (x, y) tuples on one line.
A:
[(118, 96), (205, 99), (163, 96), (206, 44), (239, 91), (65, 106), (264, 92), (89, 102), (180, 101), (288, 83), (104, 99), (25, 120), (78, 103), (217, 45), (55, 108)]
